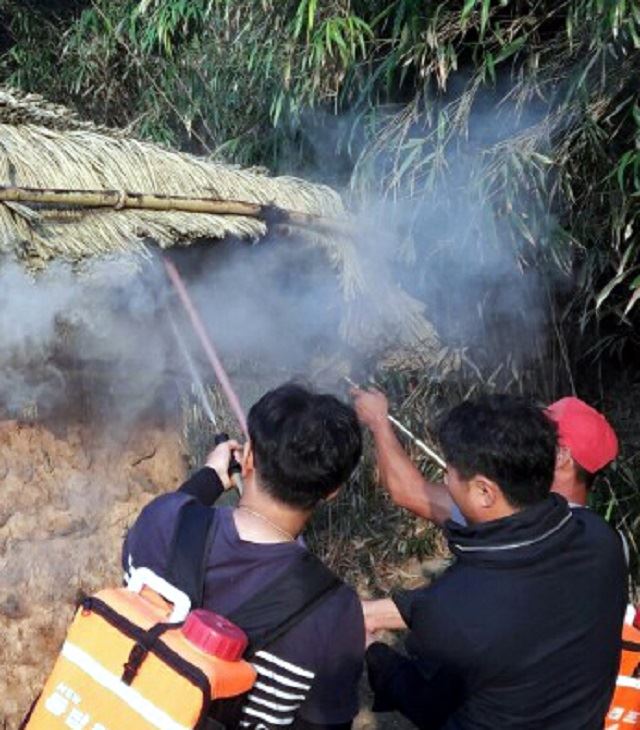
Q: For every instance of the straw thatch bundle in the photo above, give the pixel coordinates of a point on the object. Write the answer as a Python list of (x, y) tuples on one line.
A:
[(45, 146)]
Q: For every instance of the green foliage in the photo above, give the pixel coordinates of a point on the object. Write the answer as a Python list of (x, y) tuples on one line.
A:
[(519, 117), (209, 75)]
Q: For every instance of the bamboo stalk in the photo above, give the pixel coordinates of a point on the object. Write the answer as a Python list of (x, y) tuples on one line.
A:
[(123, 199)]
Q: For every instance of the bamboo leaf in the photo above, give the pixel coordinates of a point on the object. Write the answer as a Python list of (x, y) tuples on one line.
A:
[(299, 18), (510, 49), (606, 291), (634, 297), (311, 14), (484, 16), (467, 8), (621, 168)]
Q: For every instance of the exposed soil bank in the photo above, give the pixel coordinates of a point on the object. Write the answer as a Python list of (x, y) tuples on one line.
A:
[(65, 503)]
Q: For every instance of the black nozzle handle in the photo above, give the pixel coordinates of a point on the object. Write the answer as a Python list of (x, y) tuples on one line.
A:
[(234, 465), (220, 438)]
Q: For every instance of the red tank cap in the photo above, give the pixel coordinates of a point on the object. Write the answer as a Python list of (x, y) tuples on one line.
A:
[(215, 635)]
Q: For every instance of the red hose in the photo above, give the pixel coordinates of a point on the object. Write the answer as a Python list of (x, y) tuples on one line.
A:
[(199, 328)]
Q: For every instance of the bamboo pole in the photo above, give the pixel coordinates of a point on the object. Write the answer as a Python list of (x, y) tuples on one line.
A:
[(123, 199)]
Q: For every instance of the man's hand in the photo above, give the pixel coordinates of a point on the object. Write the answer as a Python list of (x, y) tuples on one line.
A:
[(381, 614), (398, 475), (371, 406), (220, 457), (370, 628), (370, 638)]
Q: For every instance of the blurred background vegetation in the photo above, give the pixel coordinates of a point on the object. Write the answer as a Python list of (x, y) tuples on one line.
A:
[(519, 117)]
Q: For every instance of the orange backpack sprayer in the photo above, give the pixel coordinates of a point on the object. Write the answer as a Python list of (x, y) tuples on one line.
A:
[(138, 658), (624, 713), (131, 661)]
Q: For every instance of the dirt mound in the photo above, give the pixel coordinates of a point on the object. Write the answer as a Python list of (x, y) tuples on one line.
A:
[(65, 503)]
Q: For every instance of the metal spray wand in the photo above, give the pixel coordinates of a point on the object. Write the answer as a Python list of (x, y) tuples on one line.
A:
[(209, 349), (401, 427)]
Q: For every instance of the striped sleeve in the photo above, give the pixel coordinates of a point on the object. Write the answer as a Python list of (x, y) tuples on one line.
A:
[(280, 689)]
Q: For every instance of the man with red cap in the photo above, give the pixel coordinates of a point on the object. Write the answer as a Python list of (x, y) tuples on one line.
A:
[(586, 444)]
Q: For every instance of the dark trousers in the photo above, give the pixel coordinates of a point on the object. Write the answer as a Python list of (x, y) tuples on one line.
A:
[(425, 693)]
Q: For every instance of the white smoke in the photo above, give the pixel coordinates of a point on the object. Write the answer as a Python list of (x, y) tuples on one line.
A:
[(277, 306)]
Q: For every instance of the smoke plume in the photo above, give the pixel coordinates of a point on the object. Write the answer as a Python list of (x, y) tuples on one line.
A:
[(441, 253)]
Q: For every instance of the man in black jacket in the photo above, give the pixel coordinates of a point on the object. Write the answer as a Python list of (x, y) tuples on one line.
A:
[(523, 630)]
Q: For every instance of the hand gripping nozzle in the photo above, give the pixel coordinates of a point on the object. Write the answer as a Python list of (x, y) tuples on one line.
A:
[(235, 468)]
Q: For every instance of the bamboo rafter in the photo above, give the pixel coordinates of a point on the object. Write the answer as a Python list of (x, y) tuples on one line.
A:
[(123, 199)]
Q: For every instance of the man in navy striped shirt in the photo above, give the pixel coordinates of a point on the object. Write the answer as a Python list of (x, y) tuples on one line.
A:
[(303, 447)]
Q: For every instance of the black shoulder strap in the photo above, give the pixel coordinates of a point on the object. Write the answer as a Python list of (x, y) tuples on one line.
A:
[(275, 609), (285, 601), (631, 646), (189, 550)]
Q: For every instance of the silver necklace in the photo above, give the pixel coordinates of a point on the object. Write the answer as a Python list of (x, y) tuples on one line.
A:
[(267, 521)]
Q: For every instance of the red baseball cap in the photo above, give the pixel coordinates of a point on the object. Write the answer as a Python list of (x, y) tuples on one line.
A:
[(585, 432)]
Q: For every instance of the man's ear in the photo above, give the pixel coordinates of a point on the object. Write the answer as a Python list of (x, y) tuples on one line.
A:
[(563, 457), (248, 466), (486, 493)]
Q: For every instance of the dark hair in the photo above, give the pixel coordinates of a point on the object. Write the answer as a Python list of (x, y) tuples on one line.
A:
[(506, 439), (583, 476), (305, 444)]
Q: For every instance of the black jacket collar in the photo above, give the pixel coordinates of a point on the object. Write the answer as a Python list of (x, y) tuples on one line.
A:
[(523, 537)]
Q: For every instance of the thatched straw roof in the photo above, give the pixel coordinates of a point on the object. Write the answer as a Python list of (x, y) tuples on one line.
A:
[(43, 145)]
